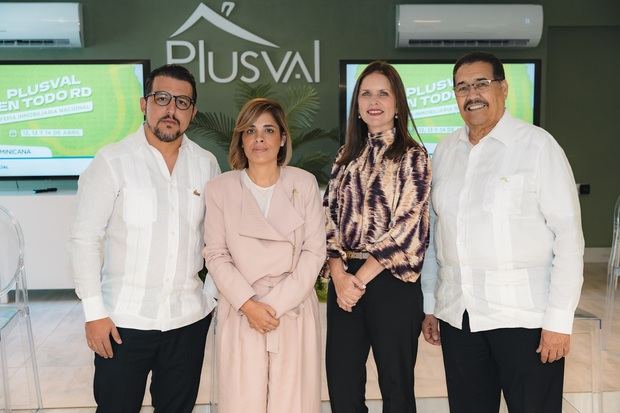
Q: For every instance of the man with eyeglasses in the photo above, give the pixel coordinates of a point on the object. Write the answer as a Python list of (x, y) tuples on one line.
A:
[(136, 249), (503, 274)]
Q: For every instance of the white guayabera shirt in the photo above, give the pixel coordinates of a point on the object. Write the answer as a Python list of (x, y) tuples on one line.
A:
[(136, 244), (507, 243)]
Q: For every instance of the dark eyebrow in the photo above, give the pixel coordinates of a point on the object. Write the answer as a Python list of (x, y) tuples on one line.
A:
[(475, 80)]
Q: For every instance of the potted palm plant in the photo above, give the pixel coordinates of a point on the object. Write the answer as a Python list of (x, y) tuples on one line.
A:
[(213, 130)]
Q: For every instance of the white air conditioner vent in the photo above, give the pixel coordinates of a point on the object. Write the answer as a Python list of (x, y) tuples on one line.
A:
[(469, 43), (35, 43), (468, 25), (41, 25)]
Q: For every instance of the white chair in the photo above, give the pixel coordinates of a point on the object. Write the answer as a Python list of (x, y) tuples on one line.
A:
[(587, 336), (613, 272), (20, 388), (212, 345)]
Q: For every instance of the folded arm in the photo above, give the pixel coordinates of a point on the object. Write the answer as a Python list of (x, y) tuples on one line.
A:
[(294, 288)]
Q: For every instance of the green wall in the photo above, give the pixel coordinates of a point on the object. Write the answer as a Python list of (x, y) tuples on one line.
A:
[(579, 52)]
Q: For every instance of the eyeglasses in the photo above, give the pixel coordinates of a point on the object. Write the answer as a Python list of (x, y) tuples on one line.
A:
[(162, 98), (479, 85)]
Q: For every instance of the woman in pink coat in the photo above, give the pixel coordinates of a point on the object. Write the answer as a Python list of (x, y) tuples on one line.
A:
[(265, 245)]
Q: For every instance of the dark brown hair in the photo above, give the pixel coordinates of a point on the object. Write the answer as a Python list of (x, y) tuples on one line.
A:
[(357, 130)]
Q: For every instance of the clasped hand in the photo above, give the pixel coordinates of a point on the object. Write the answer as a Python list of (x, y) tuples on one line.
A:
[(349, 289), (430, 330), (261, 316)]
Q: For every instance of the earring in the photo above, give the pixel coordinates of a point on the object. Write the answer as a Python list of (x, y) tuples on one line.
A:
[(396, 116), (282, 143), (359, 116)]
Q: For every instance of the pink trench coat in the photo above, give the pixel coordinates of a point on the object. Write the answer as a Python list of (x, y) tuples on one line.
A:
[(275, 259)]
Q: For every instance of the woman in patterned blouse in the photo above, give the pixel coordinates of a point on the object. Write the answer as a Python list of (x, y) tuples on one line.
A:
[(377, 204)]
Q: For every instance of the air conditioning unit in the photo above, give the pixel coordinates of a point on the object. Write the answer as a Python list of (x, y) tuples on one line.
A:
[(41, 25), (468, 25)]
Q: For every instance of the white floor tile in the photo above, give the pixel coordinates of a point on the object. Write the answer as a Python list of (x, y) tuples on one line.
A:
[(66, 363)]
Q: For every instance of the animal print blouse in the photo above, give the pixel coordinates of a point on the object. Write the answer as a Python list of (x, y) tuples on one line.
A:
[(379, 205)]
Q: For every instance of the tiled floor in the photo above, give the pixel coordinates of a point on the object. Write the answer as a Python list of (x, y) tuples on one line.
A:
[(66, 370)]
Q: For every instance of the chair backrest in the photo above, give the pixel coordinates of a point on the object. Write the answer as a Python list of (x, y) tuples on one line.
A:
[(11, 252), (614, 255)]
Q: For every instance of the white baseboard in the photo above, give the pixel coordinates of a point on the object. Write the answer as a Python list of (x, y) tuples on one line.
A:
[(596, 254)]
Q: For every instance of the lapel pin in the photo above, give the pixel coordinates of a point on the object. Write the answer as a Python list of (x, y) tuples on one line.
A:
[(196, 192)]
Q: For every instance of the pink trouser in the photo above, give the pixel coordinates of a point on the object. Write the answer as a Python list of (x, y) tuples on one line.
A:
[(278, 372)]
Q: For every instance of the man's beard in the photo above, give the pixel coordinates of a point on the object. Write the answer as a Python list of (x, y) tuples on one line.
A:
[(164, 136)]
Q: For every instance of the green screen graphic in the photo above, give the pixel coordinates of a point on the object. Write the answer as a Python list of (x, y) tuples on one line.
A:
[(55, 117), (428, 87)]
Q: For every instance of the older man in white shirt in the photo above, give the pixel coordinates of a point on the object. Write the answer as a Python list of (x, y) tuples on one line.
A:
[(505, 268), (136, 249)]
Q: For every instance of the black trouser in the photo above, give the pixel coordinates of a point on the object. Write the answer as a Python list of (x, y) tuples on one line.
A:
[(175, 359), (387, 318), (479, 365)]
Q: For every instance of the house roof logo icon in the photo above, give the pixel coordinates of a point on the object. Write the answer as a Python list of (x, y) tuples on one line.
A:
[(204, 12)]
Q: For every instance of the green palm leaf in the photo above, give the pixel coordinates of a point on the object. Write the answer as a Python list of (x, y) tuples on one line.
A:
[(314, 135), (315, 163), (246, 92), (216, 127), (301, 104), (213, 131)]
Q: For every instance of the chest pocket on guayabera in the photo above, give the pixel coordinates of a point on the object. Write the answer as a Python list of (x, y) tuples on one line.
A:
[(139, 206), (504, 194)]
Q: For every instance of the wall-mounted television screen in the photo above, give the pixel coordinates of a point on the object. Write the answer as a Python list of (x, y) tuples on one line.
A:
[(56, 115), (428, 86)]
